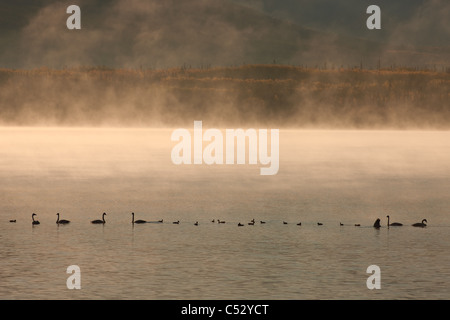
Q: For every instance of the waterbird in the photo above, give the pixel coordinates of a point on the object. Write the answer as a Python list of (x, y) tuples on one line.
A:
[(284, 222), (341, 224), (240, 224), (262, 222), (393, 224), (196, 223), (137, 221), (161, 221), (319, 223), (34, 222), (176, 222), (299, 224), (100, 221), (219, 221), (357, 225), (377, 224), (12, 220), (61, 221), (421, 224)]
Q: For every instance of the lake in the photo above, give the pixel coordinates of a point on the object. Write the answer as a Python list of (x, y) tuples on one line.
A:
[(329, 176)]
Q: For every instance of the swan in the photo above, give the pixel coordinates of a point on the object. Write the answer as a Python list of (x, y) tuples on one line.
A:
[(357, 225), (319, 224), (284, 222), (421, 224), (176, 222), (34, 221), (100, 221), (262, 222), (299, 224), (137, 221), (377, 224), (394, 224), (12, 220), (240, 224), (341, 224), (61, 221), (218, 221)]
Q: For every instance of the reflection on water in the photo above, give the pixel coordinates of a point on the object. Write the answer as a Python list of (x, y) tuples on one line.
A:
[(328, 176)]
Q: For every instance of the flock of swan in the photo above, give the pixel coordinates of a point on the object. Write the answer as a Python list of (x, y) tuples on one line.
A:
[(376, 225)]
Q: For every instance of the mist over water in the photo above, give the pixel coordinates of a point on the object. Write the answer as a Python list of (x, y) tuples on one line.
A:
[(352, 177)]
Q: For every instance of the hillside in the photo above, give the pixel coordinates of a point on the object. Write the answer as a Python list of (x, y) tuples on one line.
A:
[(251, 95)]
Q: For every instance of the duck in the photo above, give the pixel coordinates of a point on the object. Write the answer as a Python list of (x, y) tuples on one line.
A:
[(319, 223), (240, 224), (421, 224), (13, 221), (299, 224), (284, 222)]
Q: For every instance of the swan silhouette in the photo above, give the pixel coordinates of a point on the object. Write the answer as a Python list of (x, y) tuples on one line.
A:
[(394, 224), (240, 224), (100, 221), (377, 224), (61, 221), (34, 222), (299, 224), (137, 221), (176, 222), (421, 224)]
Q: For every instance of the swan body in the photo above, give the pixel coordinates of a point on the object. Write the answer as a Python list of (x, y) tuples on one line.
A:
[(34, 222), (61, 221), (137, 221), (394, 224), (319, 224), (240, 224), (421, 224), (377, 224), (299, 224), (176, 222), (100, 221)]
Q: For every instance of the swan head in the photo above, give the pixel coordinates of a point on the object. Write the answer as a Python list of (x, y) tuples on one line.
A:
[(33, 214), (424, 220)]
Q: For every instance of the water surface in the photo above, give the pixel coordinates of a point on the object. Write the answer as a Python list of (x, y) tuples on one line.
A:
[(332, 177)]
